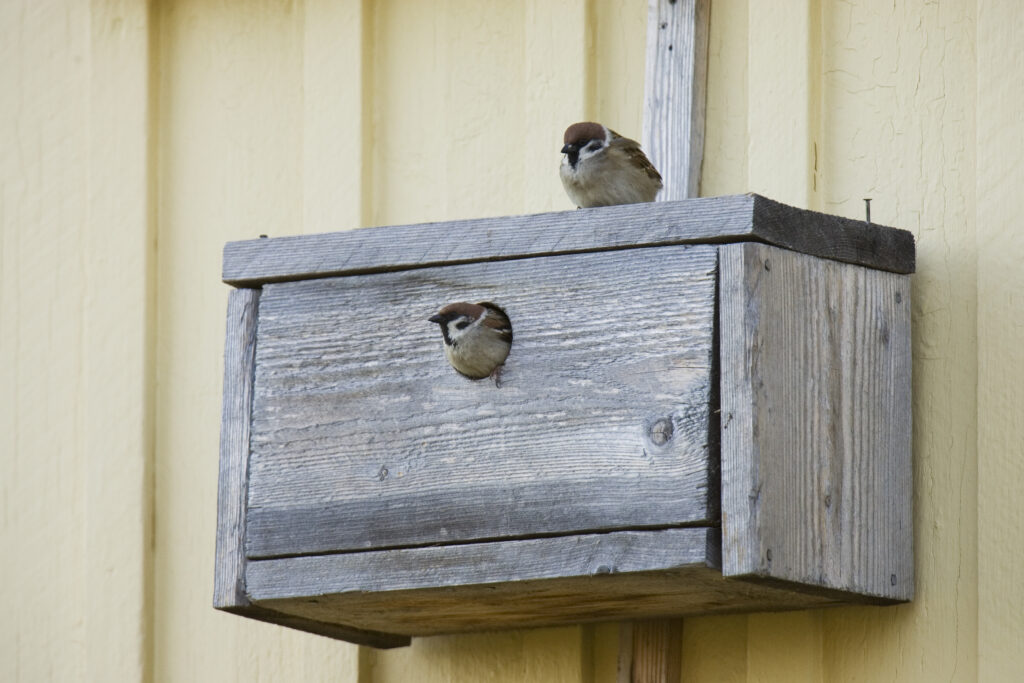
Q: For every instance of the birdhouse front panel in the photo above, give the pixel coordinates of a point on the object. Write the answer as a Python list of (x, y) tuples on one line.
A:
[(363, 436)]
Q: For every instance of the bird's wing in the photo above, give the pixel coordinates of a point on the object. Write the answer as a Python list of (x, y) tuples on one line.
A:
[(497, 320), (632, 150)]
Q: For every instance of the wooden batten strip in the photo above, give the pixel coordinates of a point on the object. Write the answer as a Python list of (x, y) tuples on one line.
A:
[(674, 101)]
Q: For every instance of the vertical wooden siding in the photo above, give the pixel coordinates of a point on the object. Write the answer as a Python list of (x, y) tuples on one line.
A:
[(139, 136), (76, 314), (1000, 253)]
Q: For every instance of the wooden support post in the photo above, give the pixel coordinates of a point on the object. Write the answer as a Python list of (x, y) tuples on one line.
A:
[(674, 100), (650, 651)]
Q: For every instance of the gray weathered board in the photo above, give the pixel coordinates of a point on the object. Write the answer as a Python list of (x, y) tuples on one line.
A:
[(364, 437), (369, 493), (739, 218), (517, 584), (815, 381)]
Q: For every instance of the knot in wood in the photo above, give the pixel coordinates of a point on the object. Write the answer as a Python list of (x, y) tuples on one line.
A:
[(661, 431)]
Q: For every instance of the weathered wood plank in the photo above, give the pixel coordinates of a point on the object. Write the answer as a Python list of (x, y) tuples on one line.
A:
[(252, 263), (239, 354), (515, 584), (363, 436), (674, 101), (815, 409), (229, 574), (481, 564)]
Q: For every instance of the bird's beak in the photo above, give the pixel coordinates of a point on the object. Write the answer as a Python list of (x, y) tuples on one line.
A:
[(566, 149), (436, 318)]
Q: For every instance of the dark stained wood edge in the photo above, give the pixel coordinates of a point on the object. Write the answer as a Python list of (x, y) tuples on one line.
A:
[(381, 641), (833, 237), (229, 592), (734, 218), (812, 590)]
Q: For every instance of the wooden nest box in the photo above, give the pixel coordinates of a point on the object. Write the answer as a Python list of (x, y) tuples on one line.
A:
[(706, 409)]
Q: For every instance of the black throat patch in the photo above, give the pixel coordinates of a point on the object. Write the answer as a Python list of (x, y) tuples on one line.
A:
[(574, 157), (444, 333)]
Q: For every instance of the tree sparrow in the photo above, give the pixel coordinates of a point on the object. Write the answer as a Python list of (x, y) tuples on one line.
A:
[(477, 338), (602, 168)]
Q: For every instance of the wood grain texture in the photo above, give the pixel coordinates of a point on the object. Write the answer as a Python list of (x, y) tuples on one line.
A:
[(251, 263), (815, 406), (515, 584), (229, 575), (655, 649), (364, 437), (239, 354), (674, 100)]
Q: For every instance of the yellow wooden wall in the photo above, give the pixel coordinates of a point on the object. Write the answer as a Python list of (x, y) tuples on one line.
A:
[(137, 137)]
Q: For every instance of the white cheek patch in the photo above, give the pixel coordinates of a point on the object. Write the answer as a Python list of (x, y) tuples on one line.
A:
[(455, 333), (586, 152)]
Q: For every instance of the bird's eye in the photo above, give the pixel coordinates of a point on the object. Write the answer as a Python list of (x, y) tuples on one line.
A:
[(462, 324), (594, 146)]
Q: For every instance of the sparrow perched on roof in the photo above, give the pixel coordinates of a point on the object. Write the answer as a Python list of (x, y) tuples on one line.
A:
[(602, 168), (477, 338)]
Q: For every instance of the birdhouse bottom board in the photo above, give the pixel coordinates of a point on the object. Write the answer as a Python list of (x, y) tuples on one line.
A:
[(680, 429)]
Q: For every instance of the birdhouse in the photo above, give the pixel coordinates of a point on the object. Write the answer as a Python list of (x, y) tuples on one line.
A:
[(705, 409)]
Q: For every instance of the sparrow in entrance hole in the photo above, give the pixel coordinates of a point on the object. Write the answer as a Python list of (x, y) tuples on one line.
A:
[(602, 168), (477, 338)]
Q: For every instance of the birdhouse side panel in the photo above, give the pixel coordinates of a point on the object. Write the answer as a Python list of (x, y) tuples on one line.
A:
[(816, 422)]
